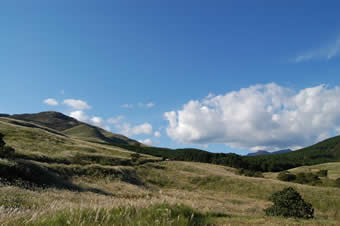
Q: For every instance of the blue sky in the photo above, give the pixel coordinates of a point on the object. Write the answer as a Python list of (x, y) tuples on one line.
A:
[(226, 76)]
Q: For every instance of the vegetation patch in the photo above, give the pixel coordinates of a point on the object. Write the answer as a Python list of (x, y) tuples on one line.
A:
[(289, 203), (250, 173)]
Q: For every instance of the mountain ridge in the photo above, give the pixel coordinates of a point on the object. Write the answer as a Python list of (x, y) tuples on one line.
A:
[(263, 152)]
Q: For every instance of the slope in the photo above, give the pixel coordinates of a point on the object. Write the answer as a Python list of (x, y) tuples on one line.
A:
[(70, 126)]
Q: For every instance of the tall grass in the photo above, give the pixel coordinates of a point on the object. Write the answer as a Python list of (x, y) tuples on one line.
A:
[(159, 214)]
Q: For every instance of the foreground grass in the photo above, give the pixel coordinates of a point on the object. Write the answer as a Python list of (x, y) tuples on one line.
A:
[(159, 214)]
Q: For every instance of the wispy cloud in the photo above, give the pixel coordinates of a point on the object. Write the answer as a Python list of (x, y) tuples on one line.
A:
[(146, 141), (77, 104), (146, 105), (157, 134), (325, 52), (127, 105), (140, 104), (116, 120), (128, 130)]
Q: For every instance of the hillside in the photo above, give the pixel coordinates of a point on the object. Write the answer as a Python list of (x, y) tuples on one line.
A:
[(72, 127), (55, 179), (322, 152)]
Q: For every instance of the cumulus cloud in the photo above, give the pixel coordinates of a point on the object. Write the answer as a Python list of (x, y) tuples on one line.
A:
[(325, 52), (77, 104), (127, 130), (146, 141), (266, 117), (51, 102), (157, 134), (79, 115), (97, 121)]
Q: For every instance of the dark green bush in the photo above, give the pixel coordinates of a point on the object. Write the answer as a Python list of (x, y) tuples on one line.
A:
[(7, 152), (286, 176), (307, 178), (250, 173), (337, 182), (322, 173), (289, 203)]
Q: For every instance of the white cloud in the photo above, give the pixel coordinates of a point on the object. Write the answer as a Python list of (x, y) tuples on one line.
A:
[(127, 105), (115, 120), (157, 134), (127, 130), (266, 117), (51, 102), (77, 104), (97, 121), (79, 115), (146, 141), (325, 52)]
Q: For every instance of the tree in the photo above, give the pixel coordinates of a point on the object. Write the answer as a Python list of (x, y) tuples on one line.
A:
[(289, 203)]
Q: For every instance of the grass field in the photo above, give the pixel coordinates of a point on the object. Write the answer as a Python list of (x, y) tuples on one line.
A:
[(104, 185)]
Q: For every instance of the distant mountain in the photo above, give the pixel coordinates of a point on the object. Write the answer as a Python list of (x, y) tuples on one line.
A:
[(72, 127), (262, 152)]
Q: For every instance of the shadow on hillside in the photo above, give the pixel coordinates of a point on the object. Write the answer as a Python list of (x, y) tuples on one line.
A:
[(29, 175)]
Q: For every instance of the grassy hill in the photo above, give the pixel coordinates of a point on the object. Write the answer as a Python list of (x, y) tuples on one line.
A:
[(61, 179), (333, 169), (70, 126)]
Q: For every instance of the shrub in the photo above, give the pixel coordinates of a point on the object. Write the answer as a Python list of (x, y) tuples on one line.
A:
[(7, 152), (286, 176), (307, 178), (322, 173), (289, 203), (337, 182), (250, 173)]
